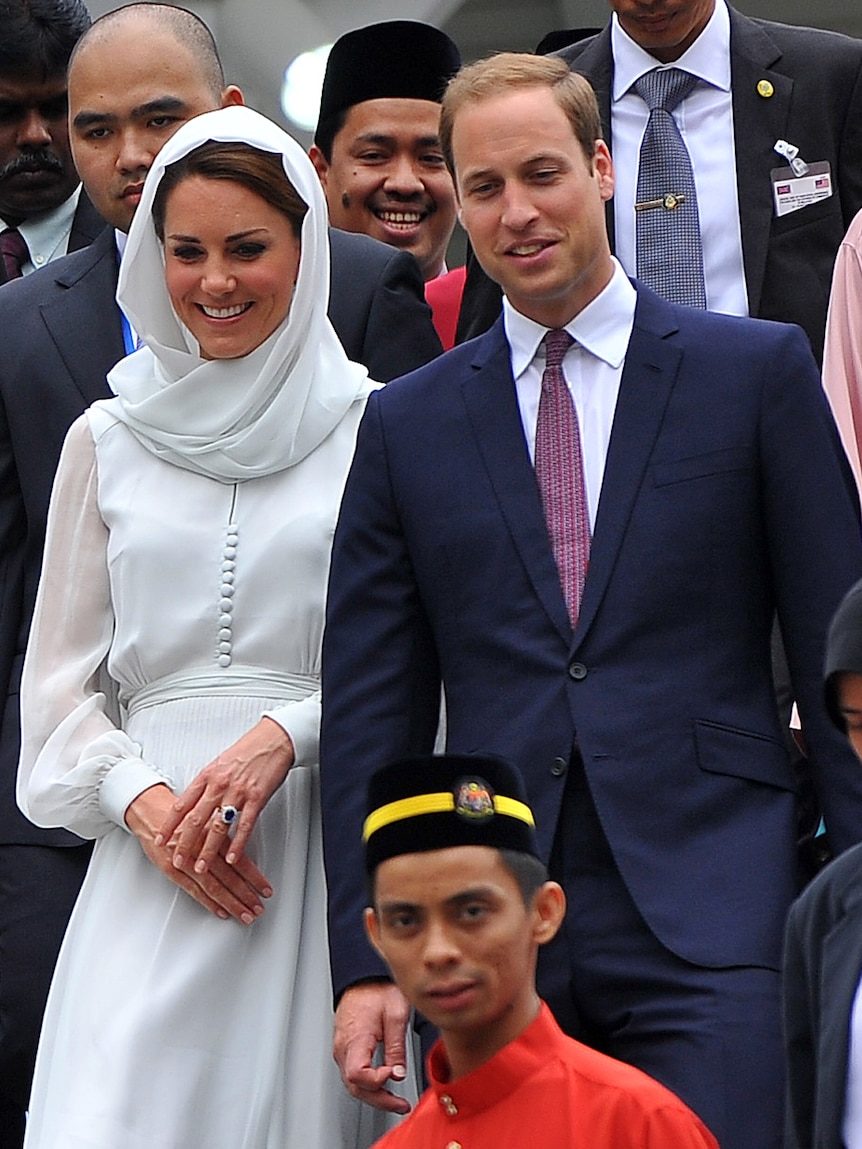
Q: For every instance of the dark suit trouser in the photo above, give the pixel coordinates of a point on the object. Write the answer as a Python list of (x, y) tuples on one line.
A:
[(710, 1035), (38, 887)]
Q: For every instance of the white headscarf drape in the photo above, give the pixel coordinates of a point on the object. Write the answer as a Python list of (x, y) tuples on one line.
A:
[(232, 419)]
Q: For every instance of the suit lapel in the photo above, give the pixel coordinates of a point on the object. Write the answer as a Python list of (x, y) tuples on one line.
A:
[(84, 320), (758, 122), (649, 374), (86, 226), (492, 407)]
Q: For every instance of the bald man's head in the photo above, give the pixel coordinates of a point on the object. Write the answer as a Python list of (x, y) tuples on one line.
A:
[(134, 78)]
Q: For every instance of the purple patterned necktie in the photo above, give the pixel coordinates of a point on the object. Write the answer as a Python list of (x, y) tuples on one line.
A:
[(560, 473), (14, 250)]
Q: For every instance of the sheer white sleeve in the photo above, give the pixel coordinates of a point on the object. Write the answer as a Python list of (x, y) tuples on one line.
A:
[(77, 768)]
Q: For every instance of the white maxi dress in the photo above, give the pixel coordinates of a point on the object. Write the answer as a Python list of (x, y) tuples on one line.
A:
[(187, 607)]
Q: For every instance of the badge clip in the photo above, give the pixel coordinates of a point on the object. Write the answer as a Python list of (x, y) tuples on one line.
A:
[(791, 153)]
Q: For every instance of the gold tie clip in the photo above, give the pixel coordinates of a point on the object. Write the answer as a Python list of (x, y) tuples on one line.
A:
[(668, 202)]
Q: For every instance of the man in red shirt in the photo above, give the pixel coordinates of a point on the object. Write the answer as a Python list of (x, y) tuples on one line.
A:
[(460, 905)]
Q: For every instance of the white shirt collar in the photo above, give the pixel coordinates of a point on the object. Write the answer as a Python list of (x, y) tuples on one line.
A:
[(708, 57), (46, 234), (603, 328)]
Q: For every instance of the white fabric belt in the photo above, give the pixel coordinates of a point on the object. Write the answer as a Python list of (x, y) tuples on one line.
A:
[(240, 681)]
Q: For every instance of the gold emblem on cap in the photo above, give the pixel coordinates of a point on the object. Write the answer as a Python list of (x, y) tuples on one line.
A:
[(765, 89), (474, 799)]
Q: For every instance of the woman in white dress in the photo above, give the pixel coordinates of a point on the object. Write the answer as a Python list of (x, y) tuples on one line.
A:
[(176, 651)]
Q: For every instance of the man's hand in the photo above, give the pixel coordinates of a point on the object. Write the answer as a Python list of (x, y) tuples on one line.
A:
[(368, 1014)]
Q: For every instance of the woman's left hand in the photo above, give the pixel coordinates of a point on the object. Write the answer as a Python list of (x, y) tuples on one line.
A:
[(244, 777)]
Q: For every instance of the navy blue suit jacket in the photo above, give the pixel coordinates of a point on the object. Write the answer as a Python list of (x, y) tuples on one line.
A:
[(725, 495)]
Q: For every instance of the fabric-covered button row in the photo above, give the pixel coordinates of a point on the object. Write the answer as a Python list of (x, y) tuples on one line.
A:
[(224, 646)]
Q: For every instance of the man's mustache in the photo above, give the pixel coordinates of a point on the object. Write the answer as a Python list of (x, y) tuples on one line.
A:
[(33, 162)]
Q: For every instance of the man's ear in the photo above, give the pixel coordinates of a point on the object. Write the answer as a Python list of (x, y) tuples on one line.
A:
[(372, 929), (232, 96), (549, 907), (321, 165)]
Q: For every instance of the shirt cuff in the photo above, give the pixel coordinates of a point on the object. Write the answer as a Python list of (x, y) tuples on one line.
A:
[(301, 722), (122, 784)]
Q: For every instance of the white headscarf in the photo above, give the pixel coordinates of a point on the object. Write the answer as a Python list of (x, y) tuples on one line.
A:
[(232, 419)]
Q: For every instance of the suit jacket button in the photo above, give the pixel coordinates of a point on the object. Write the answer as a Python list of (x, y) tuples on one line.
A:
[(559, 767), (577, 671)]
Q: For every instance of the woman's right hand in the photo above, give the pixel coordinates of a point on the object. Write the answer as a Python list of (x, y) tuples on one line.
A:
[(233, 891)]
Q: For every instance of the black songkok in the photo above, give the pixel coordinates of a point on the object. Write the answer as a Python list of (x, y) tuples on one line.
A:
[(404, 59), (437, 801)]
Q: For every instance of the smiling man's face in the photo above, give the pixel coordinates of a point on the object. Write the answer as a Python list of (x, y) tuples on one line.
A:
[(387, 178)]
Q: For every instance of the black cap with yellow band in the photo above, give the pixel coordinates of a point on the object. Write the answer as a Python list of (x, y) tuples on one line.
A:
[(437, 801)]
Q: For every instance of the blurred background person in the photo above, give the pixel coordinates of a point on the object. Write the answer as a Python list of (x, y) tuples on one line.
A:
[(43, 213), (823, 947)]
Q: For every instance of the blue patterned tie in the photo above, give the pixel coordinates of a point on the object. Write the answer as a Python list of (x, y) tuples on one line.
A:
[(560, 473), (667, 227)]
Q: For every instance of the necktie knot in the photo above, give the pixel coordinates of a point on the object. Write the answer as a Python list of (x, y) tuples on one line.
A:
[(14, 251), (557, 343), (663, 89)]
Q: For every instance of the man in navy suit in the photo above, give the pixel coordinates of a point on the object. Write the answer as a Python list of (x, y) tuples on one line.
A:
[(647, 733), (141, 72)]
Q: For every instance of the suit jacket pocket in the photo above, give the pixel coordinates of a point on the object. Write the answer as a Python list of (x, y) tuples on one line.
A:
[(701, 466), (742, 754)]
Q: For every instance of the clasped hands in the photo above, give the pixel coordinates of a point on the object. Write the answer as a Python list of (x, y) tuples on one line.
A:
[(188, 841)]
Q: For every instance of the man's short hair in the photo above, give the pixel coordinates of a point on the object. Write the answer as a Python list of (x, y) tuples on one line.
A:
[(187, 28), (530, 874), (510, 71), (327, 129), (37, 36)]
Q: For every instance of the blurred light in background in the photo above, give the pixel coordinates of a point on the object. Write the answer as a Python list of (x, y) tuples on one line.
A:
[(301, 87)]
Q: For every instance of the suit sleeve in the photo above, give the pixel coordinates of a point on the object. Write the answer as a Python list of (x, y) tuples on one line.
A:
[(800, 1010), (400, 334), (13, 531), (381, 683)]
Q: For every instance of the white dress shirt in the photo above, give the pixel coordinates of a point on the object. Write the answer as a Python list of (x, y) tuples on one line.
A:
[(592, 368), (47, 235), (705, 121)]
